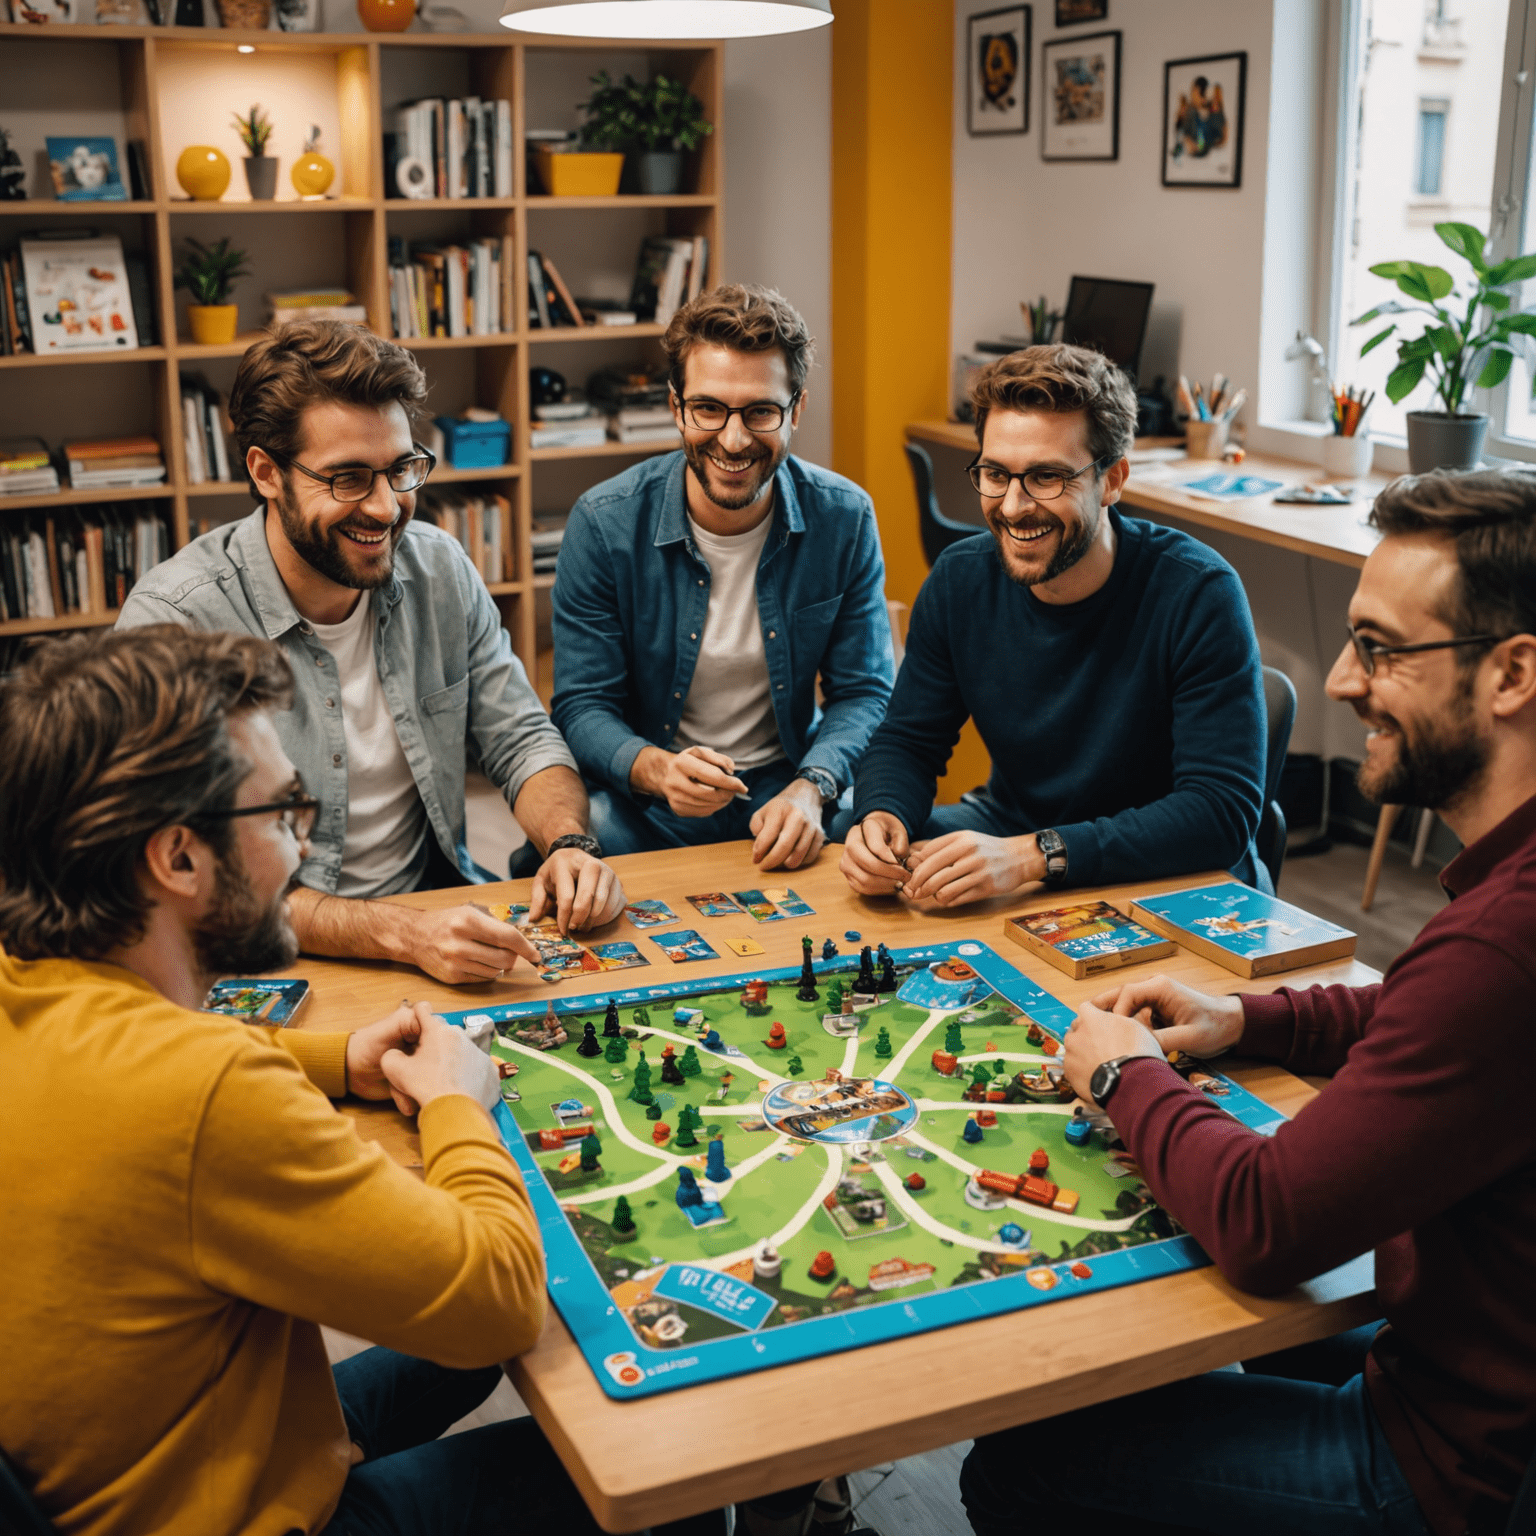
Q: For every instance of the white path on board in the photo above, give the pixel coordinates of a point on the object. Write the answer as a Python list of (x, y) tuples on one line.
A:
[(1009, 1056), (970, 1106), (824, 1187), (916, 1214), (936, 1016)]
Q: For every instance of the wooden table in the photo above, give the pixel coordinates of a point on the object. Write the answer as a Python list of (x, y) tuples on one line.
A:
[(661, 1458), (1337, 534)]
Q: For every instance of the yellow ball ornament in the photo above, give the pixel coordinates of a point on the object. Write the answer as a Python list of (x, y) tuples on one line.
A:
[(312, 173), (203, 173)]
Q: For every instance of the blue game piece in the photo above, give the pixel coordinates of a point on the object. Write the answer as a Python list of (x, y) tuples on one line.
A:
[(714, 1168), (853, 935), (828, 950), (1012, 1234), (688, 1191), (1078, 1132), (712, 1041), (972, 1132)]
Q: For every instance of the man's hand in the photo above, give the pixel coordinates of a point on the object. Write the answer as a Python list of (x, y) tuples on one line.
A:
[(581, 891), (398, 1031), (788, 828), (695, 782), (1096, 1037), (463, 944), (967, 866), (874, 858), (442, 1060), (1181, 1018)]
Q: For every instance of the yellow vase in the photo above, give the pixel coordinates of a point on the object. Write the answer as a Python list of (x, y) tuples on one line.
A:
[(312, 175), (203, 173), (386, 15), (213, 325)]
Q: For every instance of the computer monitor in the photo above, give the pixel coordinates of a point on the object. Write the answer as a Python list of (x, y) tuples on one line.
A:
[(1110, 316)]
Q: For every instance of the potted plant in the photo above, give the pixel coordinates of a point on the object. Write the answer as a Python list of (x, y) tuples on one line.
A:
[(260, 167), (1457, 350), (208, 272), (657, 123)]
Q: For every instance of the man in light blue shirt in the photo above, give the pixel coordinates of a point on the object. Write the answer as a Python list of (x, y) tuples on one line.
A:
[(404, 672)]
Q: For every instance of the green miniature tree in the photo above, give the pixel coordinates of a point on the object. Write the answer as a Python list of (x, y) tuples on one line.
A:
[(689, 1065), (883, 1042), (591, 1147), (614, 1049), (835, 997), (687, 1119), (999, 1068), (653, 1110), (623, 1218), (642, 1017), (954, 1041), (641, 1091), (794, 1066), (981, 1075)]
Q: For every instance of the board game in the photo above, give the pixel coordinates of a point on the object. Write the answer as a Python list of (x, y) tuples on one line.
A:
[(731, 1174)]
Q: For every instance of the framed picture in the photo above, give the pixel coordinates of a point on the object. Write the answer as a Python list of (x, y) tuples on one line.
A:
[(997, 44), (1072, 13), (85, 170), (1203, 121), (1080, 97)]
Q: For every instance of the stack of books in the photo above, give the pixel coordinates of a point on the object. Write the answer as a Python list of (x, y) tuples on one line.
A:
[(643, 424), (476, 521), (549, 300), (25, 468), (203, 433), (668, 273), (114, 463), (82, 561), (16, 331), (450, 148), (548, 531), (315, 304), (450, 290), (567, 424)]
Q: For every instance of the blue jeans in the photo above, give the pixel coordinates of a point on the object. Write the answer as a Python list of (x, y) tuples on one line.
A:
[(502, 1477), (646, 825), (1290, 1445)]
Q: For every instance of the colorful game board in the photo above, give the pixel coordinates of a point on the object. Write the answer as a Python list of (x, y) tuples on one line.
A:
[(891, 1132)]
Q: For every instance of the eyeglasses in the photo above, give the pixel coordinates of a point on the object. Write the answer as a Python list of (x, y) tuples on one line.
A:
[(992, 480), (760, 416), (404, 475), (298, 813), (1367, 650)]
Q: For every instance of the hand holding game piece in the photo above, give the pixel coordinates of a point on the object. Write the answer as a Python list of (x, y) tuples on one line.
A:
[(440, 1061), (464, 944), (1096, 1037), (874, 861), (583, 892), (366, 1047), (967, 866), (1180, 1018), (694, 782), (788, 828)]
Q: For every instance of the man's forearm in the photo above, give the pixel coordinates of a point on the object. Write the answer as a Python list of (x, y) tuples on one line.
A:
[(551, 804), (349, 929), (648, 770)]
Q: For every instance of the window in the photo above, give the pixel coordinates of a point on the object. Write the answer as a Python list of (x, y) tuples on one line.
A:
[(1431, 147)]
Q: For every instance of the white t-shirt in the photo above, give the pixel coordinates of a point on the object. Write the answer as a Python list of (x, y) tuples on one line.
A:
[(386, 821), (730, 702)]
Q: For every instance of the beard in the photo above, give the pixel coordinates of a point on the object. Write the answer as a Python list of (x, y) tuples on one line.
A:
[(326, 550), (1071, 548), (1433, 771), (238, 936), (734, 500)]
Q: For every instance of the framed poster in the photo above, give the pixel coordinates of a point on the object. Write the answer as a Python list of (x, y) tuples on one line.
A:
[(1080, 97), (997, 53), (1073, 13), (1203, 120)]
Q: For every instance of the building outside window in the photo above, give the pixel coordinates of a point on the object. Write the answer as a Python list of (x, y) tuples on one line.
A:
[(1431, 147)]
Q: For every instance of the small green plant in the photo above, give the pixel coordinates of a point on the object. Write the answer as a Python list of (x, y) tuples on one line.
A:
[(254, 130), (208, 272), (628, 115), (1452, 349)]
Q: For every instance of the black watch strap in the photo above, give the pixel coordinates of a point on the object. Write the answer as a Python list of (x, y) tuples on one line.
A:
[(1105, 1079), (576, 840), (826, 785), (1054, 850)]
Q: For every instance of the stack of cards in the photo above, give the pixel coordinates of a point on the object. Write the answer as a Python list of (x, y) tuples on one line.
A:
[(761, 906), (684, 945), (649, 914)]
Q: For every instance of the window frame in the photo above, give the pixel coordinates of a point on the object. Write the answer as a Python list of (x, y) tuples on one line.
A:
[(1431, 107)]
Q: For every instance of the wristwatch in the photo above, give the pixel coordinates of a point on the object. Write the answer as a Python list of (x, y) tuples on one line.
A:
[(576, 840), (826, 785), (1055, 850), (1105, 1079)]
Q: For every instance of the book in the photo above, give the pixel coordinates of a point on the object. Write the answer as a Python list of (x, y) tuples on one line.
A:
[(591, 433), (77, 295), (661, 275), (1245, 931), (84, 170), (258, 1002), (642, 435), (571, 310), (1086, 938)]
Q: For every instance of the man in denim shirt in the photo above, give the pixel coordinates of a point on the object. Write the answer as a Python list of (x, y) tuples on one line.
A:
[(402, 665), (700, 596)]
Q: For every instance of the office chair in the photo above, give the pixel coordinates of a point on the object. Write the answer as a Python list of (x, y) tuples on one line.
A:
[(19, 1514), (1280, 709), (938, 532), (1522, 1514)]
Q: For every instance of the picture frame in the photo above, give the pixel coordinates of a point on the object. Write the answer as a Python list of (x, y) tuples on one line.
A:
[(998, 71), (85, 169), (1080, 97), (1204, 101), (1073, 13)]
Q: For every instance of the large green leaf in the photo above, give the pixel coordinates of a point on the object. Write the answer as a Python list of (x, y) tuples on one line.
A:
[(1403, 379), (1466, 240), (1390, 268), (1524, 322), (1390, 307), (1422, 281), (1516, 270), (1377, 339), (1496, 300), (1419, 350), (1496, 369), (1444, 340)]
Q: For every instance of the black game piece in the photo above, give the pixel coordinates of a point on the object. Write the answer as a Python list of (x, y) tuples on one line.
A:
[(670, 1071), (589, 1045), (866, 984), (807, 992), (611, 1021), (887, 982)]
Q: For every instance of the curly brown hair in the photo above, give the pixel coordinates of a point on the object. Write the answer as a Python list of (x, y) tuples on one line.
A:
[(110, 737), (1059, 377), (296, 366), (744, 318)]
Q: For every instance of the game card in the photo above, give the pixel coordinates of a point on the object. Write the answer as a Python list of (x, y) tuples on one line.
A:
[(507, 912), (684, 945), (619, 955), (745, 947), (757, 906), (715, 904), (258, 1002), (786, 901), (649, 914)]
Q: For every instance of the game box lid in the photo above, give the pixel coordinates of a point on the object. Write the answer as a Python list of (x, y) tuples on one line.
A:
[(1086, 938), (1242, 929)]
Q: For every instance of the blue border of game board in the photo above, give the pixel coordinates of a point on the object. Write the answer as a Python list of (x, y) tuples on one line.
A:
[(600, 1330)]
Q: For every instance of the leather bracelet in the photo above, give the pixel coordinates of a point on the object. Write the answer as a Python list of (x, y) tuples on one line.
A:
[(580, 840)]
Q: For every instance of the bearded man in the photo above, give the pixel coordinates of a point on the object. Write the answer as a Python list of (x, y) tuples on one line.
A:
[(1110, 666), (402, 666), (702, 595)]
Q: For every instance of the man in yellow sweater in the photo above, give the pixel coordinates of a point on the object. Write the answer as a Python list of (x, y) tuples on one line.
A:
[(180, 1206)]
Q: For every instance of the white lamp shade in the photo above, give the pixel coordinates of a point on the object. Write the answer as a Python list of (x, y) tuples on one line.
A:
[(660, 20)]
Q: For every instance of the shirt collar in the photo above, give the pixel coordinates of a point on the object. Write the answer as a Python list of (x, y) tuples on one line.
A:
[(1477, 861), (672, 526)]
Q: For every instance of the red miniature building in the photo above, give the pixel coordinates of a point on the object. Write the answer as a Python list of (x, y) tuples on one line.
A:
[(776, 1040), (661, 1133), (831, 1201), (997, 1095), (999, 1183), (1065, 1201), (1039, 1160), (986, 1118), (667, 1051), (1049, 1045), (1037, 1191), (975, 1093), (1082, 1271), (549, 1140), (755, 996), (915, 1182), (945, 1063), (822, 1266)]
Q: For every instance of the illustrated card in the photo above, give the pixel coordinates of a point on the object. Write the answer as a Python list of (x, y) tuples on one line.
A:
[(514, 912), (758, 907), (786, 901), (258, 1002), (619, 955), (559, 956), (714, 904), (684, 945), (746, 948), (649, 914)]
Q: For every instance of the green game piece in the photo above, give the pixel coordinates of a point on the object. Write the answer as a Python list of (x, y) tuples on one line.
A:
[(688, 1119), (689, 1065), (623, 1218), (653, 1110), (999, 1068), (835, 997), (641, 1091), (794, 1066), (590, 1148), (615, 1048), (883, 1042), (954, 1041), (642, 1017), (981, 1075)]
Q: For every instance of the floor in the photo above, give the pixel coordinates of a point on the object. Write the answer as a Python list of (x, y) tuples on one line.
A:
[(918, 1496)]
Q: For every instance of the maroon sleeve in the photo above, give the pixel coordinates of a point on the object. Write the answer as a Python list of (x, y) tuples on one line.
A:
[(1308, 1032), (1445, 1046)]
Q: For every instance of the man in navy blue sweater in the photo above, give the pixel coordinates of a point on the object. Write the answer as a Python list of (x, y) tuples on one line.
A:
[(1110, 665)]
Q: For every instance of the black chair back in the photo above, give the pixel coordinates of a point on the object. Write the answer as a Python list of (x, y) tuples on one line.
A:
[(19, 1514), (937, 531), (1522, 1513), (1280, 708)]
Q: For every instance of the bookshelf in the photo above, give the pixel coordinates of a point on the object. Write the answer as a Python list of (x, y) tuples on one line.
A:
[(174, 86)]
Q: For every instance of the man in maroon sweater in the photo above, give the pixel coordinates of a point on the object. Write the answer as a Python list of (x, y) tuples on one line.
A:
[(1422, 1147)]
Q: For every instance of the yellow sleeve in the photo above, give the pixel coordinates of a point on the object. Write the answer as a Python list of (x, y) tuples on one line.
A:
[(291, 1210), (322, 1055)]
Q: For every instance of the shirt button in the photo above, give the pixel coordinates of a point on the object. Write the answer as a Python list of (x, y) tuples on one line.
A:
[(337, 811), (773, 634), (319, 661), (693, 637), (336, 758), (781, 687), (677, 695), (330, 703), (701, 581)]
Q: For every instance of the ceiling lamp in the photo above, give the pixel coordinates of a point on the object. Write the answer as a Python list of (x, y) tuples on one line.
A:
[(654, 20)]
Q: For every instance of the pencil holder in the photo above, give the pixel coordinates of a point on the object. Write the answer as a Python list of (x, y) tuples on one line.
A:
[(1347, 458), (1205, 439)]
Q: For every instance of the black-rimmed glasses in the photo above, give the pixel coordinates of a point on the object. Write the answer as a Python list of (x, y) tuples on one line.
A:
[(707, 415), (1367, 650), (992, 480), (404, 475), (298, 813)]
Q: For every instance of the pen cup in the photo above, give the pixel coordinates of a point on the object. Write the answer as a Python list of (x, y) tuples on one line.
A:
[(1205, 439), (1347, 458)]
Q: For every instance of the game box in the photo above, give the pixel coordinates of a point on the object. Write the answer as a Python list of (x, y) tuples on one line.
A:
[(1087, 938), (1244, 930), (270, 1001)]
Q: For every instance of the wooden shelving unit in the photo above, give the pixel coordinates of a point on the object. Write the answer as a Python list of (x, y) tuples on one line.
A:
[(350, 231)]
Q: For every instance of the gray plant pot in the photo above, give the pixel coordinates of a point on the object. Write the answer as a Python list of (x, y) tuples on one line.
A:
[(261, 177), (1437, 440), (661, 171)]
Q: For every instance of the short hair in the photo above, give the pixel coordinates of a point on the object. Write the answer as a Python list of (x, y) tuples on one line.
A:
[(1490, 515), (108, 738), (744, 318), (293, 367), (1061, 378)]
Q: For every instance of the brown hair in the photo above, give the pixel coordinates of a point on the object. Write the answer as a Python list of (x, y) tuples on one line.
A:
[(307, 363), (108, 738), (1062, 378), (1490, 516), (744, 318)]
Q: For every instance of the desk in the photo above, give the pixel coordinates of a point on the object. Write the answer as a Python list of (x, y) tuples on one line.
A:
[(664, 1457), (1337, 534)]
